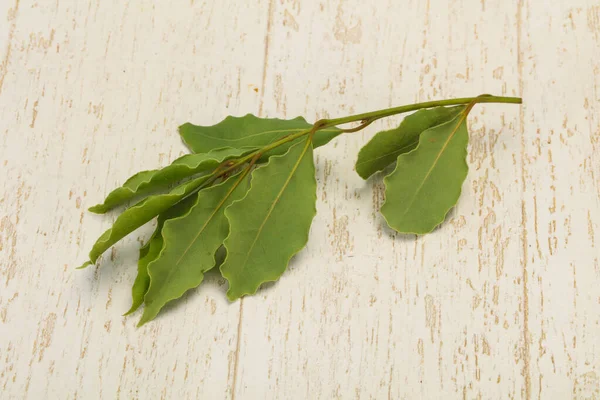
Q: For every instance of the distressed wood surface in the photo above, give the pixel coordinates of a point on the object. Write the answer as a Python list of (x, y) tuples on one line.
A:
[(502, 301)]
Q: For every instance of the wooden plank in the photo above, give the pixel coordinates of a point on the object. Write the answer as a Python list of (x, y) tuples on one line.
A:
[(94, 92), (364, 313), (8, 13), (500, 302), (560, 73)]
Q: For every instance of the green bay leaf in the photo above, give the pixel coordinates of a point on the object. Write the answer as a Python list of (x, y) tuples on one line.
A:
[(139, 214), (385, 147), (250, 131), (271, 223), (147, 182), (190, 245), (150, 251), (426, 182)]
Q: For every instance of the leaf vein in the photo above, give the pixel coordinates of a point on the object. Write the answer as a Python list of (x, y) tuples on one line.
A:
[(439, 155), (397, 151), (259, 134), (277, 198)]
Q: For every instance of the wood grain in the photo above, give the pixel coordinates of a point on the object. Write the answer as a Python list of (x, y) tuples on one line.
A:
[(500, 302)]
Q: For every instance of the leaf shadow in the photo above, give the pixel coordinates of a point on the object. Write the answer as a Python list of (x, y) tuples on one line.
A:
[(375, 181), (113, 267), (119, 262), (268, 286)]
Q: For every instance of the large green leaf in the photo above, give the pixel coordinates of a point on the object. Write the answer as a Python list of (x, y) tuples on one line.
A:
[(190, 245), (427, 181), (249, 131), (385, 147), (140, 213), (271, 223), (150, 251), (147, 182)]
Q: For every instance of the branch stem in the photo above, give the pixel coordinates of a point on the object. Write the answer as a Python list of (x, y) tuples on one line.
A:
[(365, 119), (374, 115)]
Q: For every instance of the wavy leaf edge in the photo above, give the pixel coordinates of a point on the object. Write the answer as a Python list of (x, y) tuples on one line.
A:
[(455, 198)]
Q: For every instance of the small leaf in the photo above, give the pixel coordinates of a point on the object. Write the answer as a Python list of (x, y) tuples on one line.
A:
[(385, 147), (427, 181), (139, 214), (148, 182), (150, 251), (190, 244), (250, 131), (271, 223)]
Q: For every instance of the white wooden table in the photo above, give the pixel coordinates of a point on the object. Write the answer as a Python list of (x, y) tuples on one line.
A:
[(503, 301)]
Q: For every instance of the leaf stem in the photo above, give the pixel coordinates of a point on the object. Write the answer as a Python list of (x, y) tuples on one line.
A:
[(388, 112), (365, 119)]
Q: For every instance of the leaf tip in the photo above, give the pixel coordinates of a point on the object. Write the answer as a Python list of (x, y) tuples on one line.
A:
[(133, 309), (184, 126), (232, 295), (362, 173), (148, 315), (98, 209), (85, 265), (143, 320)]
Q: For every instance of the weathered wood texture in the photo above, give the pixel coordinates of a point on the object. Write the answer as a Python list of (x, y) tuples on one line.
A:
[(503, 301)]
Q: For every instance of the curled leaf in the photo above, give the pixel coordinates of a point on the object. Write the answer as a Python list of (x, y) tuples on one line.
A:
[(150, 251), (271, 223), (147, 182), (385, 147), (427, 181), (139, 214), (190, 244)]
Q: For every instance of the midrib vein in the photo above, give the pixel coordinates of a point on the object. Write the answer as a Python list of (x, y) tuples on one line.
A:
[(261, 133), (439, 155), (386, 154), (275, 201), (208, 220)]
